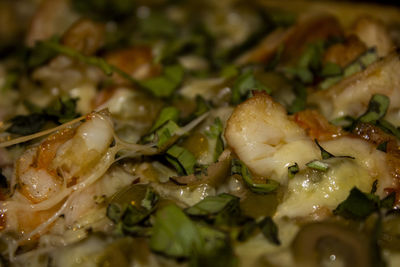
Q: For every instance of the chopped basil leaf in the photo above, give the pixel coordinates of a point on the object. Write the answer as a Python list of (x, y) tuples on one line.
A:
[(114, 212), (166, 114), (201, 106), (40, 54), (244, 84), (215, 132), (174, 234), (345, 121), (299, 103), (130, 218), (216, 251), (183, 161), (382, 146), (377, 107), (150, 199), (165, 135), (318, 165), (63, 109), (358, 65), (60, 111), (389, 201), (221, 210), (369, 57), (212, 205), (240, 168), (28, 124), (292, 170), (328, 82), (324, 154), (358, 205), (331, 69), (165, 84), (270, 230), (247, 230), (309, 61)]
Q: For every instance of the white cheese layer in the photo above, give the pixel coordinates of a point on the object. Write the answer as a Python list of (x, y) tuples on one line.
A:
[(311, 192)]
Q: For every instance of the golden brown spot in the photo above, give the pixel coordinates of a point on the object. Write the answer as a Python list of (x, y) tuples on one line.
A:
[(316, 125)]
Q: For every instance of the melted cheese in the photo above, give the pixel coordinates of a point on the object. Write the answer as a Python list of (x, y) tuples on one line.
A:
[(311, 192)]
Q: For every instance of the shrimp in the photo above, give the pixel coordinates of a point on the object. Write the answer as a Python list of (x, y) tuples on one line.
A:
[(44, 173), (268, 141), (351, 96), (264, 138), (58, 180)]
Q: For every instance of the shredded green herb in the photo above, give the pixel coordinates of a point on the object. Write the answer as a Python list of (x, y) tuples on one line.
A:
[(240, 168)]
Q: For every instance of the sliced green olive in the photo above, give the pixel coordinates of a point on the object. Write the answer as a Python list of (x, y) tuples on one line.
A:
[(214, 175), (325, 242), (132, 194)]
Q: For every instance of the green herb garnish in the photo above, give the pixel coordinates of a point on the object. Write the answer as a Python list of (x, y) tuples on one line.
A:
[(165, 84), (240, 168), (318, 165), (244, 84), (270, 230), (183, 161), (292, 170)]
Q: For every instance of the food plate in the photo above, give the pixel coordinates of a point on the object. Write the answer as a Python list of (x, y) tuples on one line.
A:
[(187, 133)]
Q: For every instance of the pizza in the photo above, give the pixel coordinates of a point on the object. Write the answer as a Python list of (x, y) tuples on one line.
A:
[(187, 133)]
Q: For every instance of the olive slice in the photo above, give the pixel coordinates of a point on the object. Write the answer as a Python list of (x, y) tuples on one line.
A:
[(320, 242)]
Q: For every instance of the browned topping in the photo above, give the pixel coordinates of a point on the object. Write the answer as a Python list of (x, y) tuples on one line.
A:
[(84, 36), (344, 53), (136, 61), (316, 125)]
